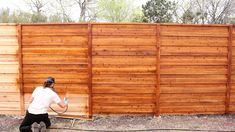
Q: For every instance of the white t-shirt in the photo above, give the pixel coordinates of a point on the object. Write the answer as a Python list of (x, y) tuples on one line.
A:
[(42, 99)]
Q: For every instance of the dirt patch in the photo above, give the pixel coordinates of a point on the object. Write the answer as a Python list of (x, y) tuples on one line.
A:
[(131, 123)]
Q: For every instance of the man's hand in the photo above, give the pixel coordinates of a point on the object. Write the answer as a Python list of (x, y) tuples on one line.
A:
[(63, 104), (66, 101)]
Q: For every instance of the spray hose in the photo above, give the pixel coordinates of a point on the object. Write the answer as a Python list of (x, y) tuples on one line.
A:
[(60, 113)]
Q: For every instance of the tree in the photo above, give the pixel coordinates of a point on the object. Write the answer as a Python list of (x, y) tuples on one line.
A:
[(210, 11), (19, 16), (5, 15), (87, 10), (37, 7), (16, 16), (115, 10), (61, 11), (188, 16), (158, 11), (138, 16), (55, 18)]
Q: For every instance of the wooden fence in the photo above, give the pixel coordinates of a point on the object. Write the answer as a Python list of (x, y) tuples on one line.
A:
[(107, 68)]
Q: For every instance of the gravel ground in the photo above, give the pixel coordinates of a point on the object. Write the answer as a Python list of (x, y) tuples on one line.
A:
[(132, 123)]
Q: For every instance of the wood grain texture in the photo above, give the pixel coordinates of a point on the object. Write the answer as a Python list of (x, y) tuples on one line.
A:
[(60, 51), (194, 69), (10, 98), (121, 68), (231, 92)]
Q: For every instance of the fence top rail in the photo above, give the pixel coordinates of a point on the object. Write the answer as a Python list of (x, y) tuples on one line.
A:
[(124, 23), (8, 24)]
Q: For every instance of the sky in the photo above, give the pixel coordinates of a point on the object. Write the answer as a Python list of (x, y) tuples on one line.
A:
[(12, 4)]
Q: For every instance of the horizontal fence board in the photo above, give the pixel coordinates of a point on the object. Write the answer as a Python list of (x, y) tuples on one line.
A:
[(203, 109), (194, 31), (11, 50), (124, 40), (9, 59), (9, 97), (78, 41), (117, 30), (203, 98), (123, 88), (9, 78), (47, 30), (8, 40), (64, 51), (178, 41), (194, 70), (124, 60), (9, 69), (193, 88), (194, 60), (9, 87), (126, 109), (193, 51), (8, 30), (141, 70)]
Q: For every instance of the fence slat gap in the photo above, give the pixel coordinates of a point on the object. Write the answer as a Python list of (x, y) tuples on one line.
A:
[(20, 83), (228, 90)]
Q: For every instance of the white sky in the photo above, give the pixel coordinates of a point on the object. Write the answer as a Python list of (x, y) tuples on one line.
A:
[(12, 4)]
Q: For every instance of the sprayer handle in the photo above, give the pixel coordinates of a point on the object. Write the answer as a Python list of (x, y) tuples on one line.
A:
[(66, 101)]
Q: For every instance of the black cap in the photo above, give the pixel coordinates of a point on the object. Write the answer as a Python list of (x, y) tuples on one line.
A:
[(50, 80)]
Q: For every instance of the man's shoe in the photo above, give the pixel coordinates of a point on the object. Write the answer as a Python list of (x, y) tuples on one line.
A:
[(35, 127), (43, 127)]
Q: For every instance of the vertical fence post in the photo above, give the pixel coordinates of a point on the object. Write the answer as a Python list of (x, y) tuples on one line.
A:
[(20, 85), (158, 90), (90, 68), (228, 90)]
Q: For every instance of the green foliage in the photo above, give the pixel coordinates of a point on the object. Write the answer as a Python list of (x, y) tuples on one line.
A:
[(138, 16), (188, 16), (115, 10), (38, 17), (55, 18), (5, 15), (158, 11), (19, 16)]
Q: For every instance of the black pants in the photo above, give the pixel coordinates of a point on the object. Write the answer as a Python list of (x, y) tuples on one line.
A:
[(31, 118)]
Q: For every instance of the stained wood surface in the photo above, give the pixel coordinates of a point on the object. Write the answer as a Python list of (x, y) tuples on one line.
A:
[(9, 70), (193, 69), (59, 51), (124, 67), (121, 68), (231, 101)]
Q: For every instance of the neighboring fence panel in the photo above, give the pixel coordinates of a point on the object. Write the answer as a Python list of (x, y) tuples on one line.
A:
[(124, 68), (9, 73), (59, 51), (232, 92), (193, 69)]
